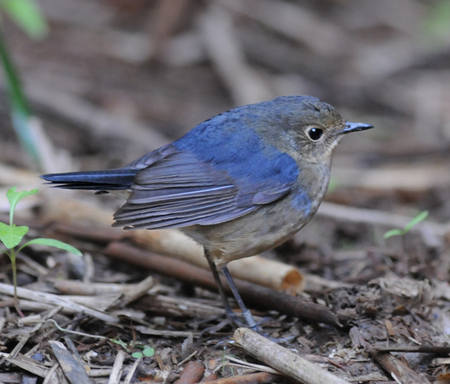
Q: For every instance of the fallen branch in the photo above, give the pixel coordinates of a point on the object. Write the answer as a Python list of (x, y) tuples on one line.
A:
[(282, 359), (256, 295)]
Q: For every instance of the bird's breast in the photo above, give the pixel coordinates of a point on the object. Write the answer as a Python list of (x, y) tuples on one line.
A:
[(268, 226)]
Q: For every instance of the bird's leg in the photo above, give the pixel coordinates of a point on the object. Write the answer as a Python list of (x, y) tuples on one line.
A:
[(245, 311), (252, 324), (230, 314)]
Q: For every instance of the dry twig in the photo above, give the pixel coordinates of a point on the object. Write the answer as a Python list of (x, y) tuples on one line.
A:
[(282, 359), (48, 298), (116, 372)]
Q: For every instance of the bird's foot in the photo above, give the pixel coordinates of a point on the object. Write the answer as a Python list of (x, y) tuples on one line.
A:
[(251, 323)]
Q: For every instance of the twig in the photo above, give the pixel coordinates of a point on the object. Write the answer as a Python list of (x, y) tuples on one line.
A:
[(245, 364), (436, 349), (257, 295), (178, 306), (116, 372), (48, 298), (132, 370), (282, 359), (130, 292), (154, 303), (165, 333), (192, 373), (133, 293), (78, 333), (71, 366), (253, 378), (399, 371)]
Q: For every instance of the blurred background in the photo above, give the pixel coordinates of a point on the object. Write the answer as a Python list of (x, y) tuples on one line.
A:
[(105, 81)]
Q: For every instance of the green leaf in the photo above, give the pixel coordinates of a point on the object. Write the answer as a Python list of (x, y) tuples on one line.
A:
[(27, 15), (420, 217), (52, 243), (392, 233), (12, 235), (14, 197), (137, 355), (148, 351)]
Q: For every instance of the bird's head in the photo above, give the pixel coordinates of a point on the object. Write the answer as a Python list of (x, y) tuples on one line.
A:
[(311, 127)]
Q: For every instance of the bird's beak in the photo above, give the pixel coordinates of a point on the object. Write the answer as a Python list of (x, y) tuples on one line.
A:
[(355, 127)]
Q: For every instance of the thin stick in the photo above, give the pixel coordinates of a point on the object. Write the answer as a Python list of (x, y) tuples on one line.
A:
[(132, 371), (116, 372), (63, 302), (283, 360)]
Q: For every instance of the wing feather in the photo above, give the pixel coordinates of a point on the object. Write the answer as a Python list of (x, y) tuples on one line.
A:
[(180, 190)]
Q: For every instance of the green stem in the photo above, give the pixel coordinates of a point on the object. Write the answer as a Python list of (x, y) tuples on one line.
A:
[(12, 257)]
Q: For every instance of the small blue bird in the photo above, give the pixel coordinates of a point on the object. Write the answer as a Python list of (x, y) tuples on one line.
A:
[(239, 183)]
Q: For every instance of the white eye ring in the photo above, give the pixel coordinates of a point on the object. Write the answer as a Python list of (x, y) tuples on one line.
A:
[(314, 133)]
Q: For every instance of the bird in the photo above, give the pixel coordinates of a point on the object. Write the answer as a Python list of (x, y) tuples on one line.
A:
[(239, 183)]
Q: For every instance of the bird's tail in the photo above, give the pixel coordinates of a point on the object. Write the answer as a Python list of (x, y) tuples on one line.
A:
[(114, 179)]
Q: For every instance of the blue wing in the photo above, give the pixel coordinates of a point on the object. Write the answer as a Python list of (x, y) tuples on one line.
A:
[(209, 176)]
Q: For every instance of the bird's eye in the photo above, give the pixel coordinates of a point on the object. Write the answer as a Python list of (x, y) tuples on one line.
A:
[(314, 133)]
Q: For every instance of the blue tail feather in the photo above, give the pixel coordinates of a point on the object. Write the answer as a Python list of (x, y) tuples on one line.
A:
[(114, 179)]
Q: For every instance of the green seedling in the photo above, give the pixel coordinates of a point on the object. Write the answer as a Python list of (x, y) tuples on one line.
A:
[(147, 351), (401, 232), (11, 235)]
